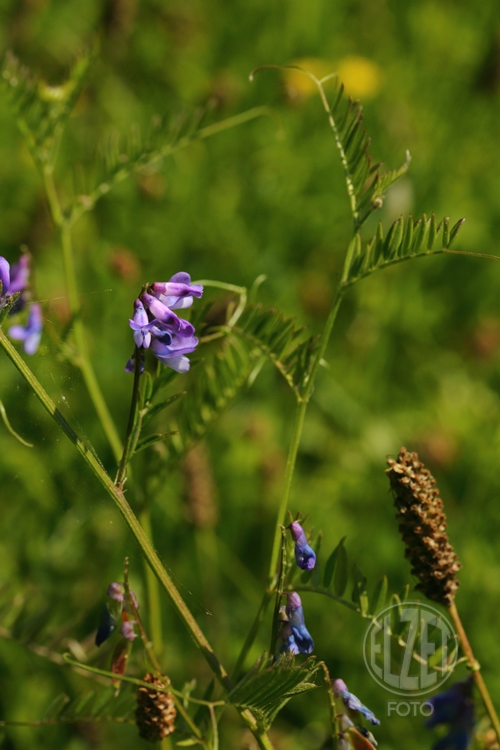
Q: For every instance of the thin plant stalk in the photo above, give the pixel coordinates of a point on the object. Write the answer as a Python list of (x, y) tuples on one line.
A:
[(83, 359), (475, 667), (298, 425), (127, 450), (141, 537), (152, 589)]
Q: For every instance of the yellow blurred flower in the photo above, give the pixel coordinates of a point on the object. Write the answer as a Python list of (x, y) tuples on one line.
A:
[(300, 86), (362, 78)]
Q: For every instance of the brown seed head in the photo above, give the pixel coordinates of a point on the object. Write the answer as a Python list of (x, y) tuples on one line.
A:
[(422, 524), (155, 713)]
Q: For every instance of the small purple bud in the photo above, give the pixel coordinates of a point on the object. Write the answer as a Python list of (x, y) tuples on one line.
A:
[(295, 614), (115, 591), (130, 366), (127, 630), (297, 533), (293, 602), (141, 325), (305, 556)]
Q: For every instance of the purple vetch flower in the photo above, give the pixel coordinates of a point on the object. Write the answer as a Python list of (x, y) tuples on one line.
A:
[(352, 703), (305, 556), (31, 333), (295, 615), (115, 591), (454, 707), (141, 325), (178, 292), (158, 328), (127, 630)]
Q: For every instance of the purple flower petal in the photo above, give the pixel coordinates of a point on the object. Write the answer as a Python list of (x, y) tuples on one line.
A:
[(178, 292), (4, 276), (127, 630), (161, 311), (352, 702), (115, 591), (19, 274), (32, 332), (305, 557), (295, 615)]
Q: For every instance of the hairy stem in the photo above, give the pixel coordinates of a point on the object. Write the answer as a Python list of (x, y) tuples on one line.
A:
[(83, 359), (153, 592), (122, 469), (138, 532), (297, 434), (290, 468), (476, 673)]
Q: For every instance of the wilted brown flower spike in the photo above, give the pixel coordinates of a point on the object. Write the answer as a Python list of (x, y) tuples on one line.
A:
[(155, 713), (422, 524)]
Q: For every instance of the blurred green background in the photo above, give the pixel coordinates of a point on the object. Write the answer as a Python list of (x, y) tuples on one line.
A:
[(414, 359)]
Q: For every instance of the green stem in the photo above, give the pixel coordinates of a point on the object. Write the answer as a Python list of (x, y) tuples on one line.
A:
[(252, 633), (122, 469), (297, 434), (153, 592), (290, 468), (279, 594), (138, 532), (476, 673), (83, 359)]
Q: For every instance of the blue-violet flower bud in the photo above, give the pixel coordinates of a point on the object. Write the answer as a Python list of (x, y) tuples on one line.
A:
[(352, 703), (305, 556), (295, 615)]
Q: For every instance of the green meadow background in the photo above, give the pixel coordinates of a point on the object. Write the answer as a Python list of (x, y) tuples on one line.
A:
[(414, 359)]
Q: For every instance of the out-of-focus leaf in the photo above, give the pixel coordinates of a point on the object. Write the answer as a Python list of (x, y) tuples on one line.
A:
[(359, 592)]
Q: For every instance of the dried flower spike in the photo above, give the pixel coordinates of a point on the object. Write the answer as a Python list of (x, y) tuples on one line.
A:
[(422, 523), (155, 713)]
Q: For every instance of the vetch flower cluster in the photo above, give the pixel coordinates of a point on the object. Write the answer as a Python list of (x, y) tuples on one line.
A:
[(14, 280), (454, 707), (158, 328), (305, 556), (293, 632), (349, 711), (115, 609)]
